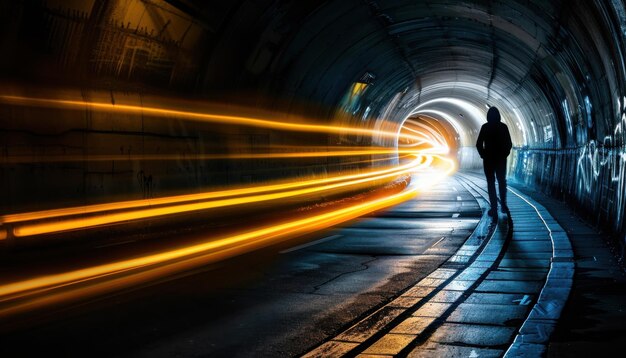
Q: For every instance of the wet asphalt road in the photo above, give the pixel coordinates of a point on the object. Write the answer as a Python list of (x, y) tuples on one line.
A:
[(277, 302)]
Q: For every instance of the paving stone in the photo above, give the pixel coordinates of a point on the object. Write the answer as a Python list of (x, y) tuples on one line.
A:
[(390, 344), (554, 282), (547, 309), (522, 350), (499, 298), (331, 349), (476, 335), (418, 291), (560, 253), (532, 220), (370, 325), (431, 282), (524, 263), (561, 273), (567, 265), (459, 285), (447, 296), (560, 236), (405, 302), (432, 309), (526, 287), (451, 351), (441, 273), (523, 212), (530, 246), (487, 257), (466, 252), (413, 325), (492, 250), (470, 276), (561, 245), (533, 235), (526, 214), (489, 314), (527, 255), (536, 331), (527, 228), (516, 275), (481, 264)]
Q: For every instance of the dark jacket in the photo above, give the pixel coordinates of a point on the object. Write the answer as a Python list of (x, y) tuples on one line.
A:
[(494, 140)]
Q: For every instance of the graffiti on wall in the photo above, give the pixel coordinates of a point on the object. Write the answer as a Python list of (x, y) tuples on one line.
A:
[(592, 175)]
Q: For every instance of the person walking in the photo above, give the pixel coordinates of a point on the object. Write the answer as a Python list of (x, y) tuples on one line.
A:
[(494, 145)]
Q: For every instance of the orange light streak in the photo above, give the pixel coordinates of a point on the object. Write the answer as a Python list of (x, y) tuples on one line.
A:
[(81, 223), (131, 204), (93, 280), (202, 117), (15, 159), (43, 290)]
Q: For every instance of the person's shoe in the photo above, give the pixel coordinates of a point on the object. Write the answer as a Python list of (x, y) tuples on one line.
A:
[(493, 212)]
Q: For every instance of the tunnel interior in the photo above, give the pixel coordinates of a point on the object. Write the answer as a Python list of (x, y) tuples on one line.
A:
[(556, 70)]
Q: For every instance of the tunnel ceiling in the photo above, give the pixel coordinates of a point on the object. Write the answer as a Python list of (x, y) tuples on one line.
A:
[(552, 65), (555, 67)]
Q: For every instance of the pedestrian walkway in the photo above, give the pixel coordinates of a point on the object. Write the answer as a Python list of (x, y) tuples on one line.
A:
[(593, 323), (500, 294)]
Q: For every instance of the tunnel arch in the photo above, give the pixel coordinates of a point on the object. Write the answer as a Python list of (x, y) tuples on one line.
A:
[(555, 69)]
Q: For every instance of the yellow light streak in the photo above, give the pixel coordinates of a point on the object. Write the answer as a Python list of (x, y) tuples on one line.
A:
[(131, 204), (53, 288), (425, 137), (116, 275), (435, 139), (82, 223), (17, 159), (202, 117)]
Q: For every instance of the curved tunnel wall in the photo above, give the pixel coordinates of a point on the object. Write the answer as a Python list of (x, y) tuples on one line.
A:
[(555, 69)]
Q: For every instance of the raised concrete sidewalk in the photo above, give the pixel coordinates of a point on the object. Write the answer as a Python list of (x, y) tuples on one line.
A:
[(593, 323), (500, 294)]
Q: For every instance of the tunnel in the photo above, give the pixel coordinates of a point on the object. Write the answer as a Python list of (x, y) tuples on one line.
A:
[(148, 104)]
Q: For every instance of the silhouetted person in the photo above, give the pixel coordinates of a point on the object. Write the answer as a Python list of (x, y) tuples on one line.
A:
[(494, 145)]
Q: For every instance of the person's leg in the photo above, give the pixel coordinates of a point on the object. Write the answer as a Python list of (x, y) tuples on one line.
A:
[(491, 185), (500, 169)]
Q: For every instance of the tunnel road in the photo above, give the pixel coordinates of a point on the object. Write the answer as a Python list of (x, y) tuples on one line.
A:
[(277, 302)]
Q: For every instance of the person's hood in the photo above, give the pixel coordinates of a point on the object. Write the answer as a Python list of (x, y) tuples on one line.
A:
[(493, 115)]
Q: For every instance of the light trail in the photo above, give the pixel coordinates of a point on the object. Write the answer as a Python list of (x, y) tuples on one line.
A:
[(433, 137), (202, 117), (44, 290), (20, 159), (428, 164), (82, 223), (131, 204)]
